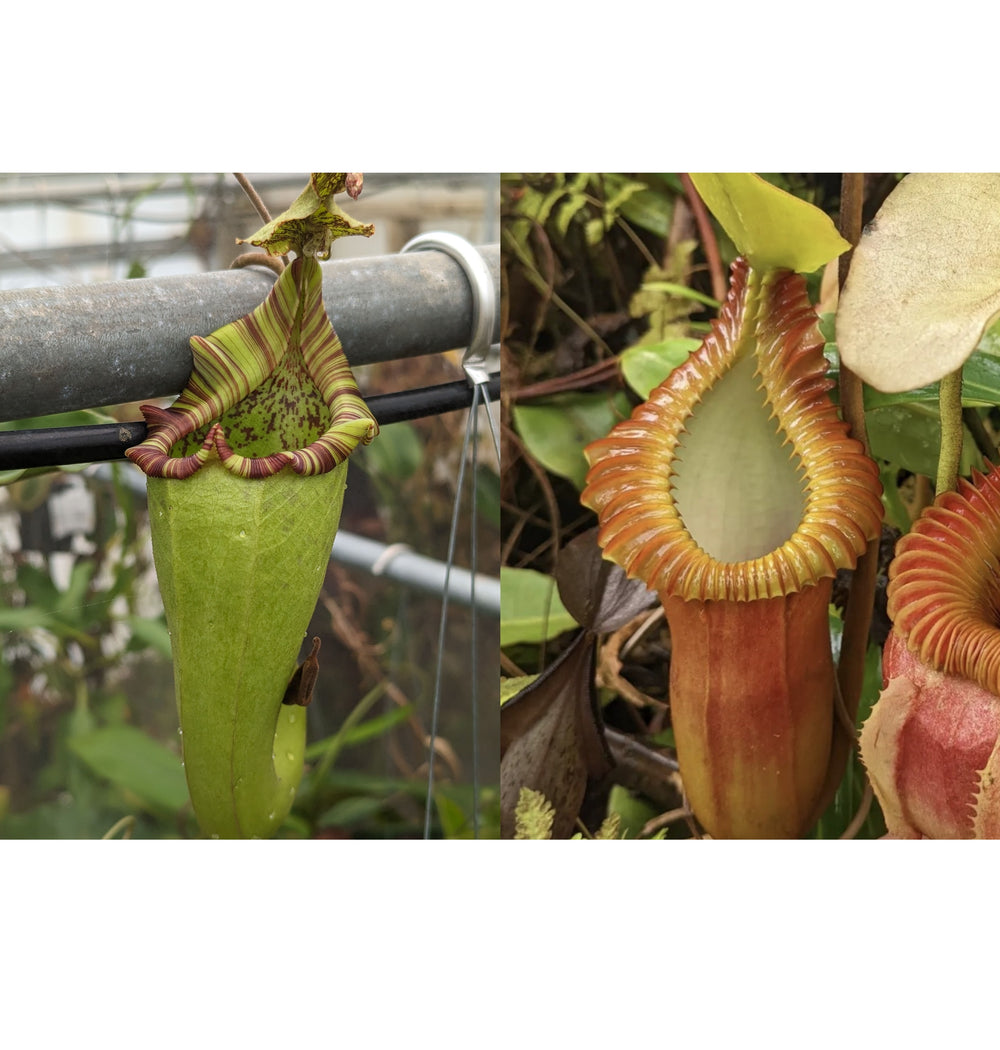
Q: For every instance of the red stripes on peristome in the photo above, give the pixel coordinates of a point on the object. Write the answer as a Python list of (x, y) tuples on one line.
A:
[(221, 380)]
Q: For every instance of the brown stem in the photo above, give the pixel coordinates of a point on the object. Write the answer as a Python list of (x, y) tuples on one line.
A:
[(861, 599), (259, 206), (708, 241), (272, 262), (253, 196), (651, 827), (584, 379)]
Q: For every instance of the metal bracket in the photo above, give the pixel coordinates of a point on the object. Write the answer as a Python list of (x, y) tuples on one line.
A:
[(484, 304)]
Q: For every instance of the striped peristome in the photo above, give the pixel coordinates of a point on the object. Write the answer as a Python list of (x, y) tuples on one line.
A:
[(275, 384)]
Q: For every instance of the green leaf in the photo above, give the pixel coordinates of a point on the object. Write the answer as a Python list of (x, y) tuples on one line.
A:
[(910, 436), (26, 619), (924, 280), (610, 829), (38, 586), (645, 367), (510, 687), (681, 290), (80, 418), (150, 633), (69, 605), (360, 734), (632, 811), (350, 811), (530, 608), (455, 822), (396, 455), (771, 228), (649, 210), (556, 430), (136, 763), (980, 381)]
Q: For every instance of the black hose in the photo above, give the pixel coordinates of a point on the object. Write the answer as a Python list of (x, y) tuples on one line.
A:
[(61, 446)]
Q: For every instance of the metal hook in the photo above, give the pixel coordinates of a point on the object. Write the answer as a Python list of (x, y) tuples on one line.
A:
[(484, 305)]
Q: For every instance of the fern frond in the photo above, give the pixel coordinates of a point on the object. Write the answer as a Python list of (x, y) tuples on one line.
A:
[(534, 815)]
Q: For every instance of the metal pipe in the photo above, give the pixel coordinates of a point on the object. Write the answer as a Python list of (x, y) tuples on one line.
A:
[(87, 346), (398, 562)]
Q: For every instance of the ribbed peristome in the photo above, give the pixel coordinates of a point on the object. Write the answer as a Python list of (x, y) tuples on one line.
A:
[(944, 582), (275, 384), (765, 493)]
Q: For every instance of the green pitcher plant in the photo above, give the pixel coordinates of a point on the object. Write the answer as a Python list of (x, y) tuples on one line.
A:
[(246, 477)]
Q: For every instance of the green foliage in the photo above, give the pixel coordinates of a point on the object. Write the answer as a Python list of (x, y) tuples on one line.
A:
[(593, 203), (510, 687), (146, 772), (644, 367), (75, 752), (394, 458), (530, 607), (88, 727), (629, 811), (556, 430)]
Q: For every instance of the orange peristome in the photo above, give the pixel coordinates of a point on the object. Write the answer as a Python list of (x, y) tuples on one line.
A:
[(944, 582), (736, 494), (931, 743), (769, 323)]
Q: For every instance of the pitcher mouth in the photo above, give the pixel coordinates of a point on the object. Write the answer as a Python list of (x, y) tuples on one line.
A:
[(737, 479), (944, 582), (275, 384)]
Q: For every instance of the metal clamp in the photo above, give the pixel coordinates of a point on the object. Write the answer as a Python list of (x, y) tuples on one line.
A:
[(484, 304)]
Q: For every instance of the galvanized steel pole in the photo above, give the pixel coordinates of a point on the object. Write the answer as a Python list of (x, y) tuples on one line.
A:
[(88, 346)]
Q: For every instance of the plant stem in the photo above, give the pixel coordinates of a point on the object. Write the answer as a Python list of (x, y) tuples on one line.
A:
[(861, 599), (255, 258), (708, 241), (253, 196), (952, 431)]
